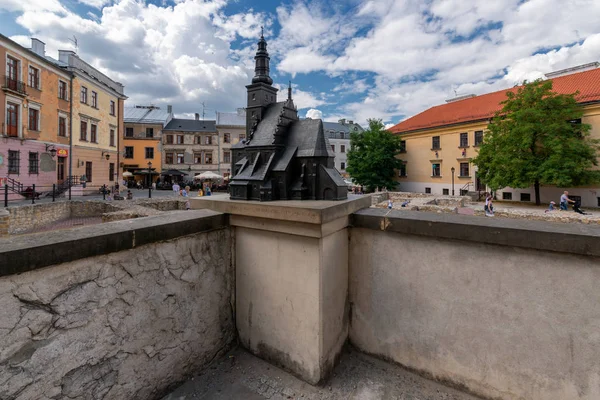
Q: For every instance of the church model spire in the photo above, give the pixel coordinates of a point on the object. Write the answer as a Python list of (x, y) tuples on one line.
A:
[(261, 69)]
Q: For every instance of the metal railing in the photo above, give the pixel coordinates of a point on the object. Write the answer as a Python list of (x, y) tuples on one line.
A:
[(15, 85)]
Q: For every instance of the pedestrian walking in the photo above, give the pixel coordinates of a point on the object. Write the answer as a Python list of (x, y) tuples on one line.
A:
[(565, 200), (489, 208), (176, 189), (390, 204), (129, 195)]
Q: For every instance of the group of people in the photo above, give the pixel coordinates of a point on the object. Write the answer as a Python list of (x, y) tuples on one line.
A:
[(185, 192), (564, 204)]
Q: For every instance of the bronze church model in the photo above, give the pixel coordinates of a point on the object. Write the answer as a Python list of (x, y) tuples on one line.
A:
[(282, 157)]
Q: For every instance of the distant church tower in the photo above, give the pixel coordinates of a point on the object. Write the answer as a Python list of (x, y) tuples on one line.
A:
[(261, 93)]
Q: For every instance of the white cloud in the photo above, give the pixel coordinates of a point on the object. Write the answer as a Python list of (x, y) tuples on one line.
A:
[(32, 5), (95, 3), (314, 114)]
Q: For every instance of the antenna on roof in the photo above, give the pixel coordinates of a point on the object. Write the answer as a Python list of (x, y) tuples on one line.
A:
[(75, 43)]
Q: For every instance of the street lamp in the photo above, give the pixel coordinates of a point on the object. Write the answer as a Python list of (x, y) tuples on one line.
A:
[(149, 179), (452, 169)]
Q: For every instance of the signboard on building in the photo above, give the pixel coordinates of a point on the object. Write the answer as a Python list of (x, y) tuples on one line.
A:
[(62, 153)]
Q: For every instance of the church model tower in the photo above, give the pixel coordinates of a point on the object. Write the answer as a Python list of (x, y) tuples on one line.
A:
[(283, 157)]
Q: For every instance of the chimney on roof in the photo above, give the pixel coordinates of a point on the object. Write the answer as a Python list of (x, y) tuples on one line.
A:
[(38, 47), (342, 121), (572, 70), (197, 117), (350, 122), (65, 55), (458, 98), (170, 109)]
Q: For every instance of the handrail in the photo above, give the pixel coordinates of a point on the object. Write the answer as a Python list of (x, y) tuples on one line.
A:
[(15, 85)]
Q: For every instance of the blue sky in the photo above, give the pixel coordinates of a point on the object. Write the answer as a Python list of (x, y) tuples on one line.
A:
[(353, 59)]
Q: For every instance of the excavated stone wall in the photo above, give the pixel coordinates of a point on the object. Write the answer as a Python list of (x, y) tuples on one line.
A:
[(124, 325)]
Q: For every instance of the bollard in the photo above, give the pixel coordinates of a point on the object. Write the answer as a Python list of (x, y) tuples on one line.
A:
[(33, 195), (6, 195), (53, 191)]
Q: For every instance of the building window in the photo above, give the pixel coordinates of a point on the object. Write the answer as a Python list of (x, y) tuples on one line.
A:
[(478, 138), (506, 196), (179, 139), (227, 156), (198, 139), (445, 192), (128, 132), (436, 170), (83, 97), (428, 190), (342, 135), (342, 149), (88, 171), (14, 161), (197, 158), (94, 133), (169, 139), (34, 163), (333, 148), (149, 152), (403, 146), (343, 166), (180, 158), (435, 143), (402, 170), (112, 108), (12, 119), (128, 151), (207, 139), (149, 132), (168, 158), (94, 99), (34, 78), (62, 126), (464, 140), (62, 90), (527, 197), (111, 172), (464, 169), (227, 138), (34, 119), (112, 138), (83, 131), (242, 136), (208, 158)]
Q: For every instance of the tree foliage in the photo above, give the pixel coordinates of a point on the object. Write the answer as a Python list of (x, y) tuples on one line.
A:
[(536, 139), (372, 157)]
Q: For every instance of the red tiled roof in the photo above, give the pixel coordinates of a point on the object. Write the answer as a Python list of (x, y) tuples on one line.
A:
[(486, 105)]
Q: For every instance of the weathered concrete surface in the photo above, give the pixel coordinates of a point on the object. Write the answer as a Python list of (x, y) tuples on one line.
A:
[(304, 211), (504, 321), (124, 325), (292, 282), (240, 375)]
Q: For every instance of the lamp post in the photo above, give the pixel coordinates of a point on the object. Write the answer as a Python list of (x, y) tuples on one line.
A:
[(149, 179), (452, 169)]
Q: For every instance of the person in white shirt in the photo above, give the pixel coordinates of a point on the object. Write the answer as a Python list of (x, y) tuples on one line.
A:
[(564, 201), (176, 189)]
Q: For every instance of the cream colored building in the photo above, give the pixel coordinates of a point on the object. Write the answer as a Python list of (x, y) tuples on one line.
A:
[(231, 128), (440, 142)]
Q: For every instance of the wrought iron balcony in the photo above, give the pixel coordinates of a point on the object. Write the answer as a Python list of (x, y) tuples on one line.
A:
[(14, 85)]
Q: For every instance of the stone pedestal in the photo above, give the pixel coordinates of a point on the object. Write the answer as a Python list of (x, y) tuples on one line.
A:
[(291, 261)]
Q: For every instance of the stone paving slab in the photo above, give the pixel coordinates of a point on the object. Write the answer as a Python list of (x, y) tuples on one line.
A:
[(240, 375)]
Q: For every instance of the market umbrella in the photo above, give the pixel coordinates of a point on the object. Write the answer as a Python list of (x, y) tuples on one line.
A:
[(127, 174), (208, 176)]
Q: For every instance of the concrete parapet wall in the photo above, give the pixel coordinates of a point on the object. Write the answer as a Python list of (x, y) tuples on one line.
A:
[(137, 307), (506, 309)]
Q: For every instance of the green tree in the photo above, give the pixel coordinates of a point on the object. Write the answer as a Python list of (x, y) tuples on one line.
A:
[(372, 157), (537, 139)]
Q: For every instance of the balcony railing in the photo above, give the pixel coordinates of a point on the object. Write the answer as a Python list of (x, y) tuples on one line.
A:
[(14, 85)]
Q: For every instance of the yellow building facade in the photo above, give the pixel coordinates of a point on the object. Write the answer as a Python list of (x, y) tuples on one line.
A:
[(440, 143)]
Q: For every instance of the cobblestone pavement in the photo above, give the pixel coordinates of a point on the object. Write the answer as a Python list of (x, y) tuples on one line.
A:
[(239, 375)]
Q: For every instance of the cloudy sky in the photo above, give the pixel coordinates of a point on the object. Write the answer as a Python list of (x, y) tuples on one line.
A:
[(353, 59)]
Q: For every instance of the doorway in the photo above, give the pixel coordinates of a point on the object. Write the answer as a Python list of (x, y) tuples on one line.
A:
[(60, 170)]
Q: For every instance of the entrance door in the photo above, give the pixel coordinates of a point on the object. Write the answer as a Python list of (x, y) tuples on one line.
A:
[(60, 170), (478, 185), (12, 73), (12, 119)]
